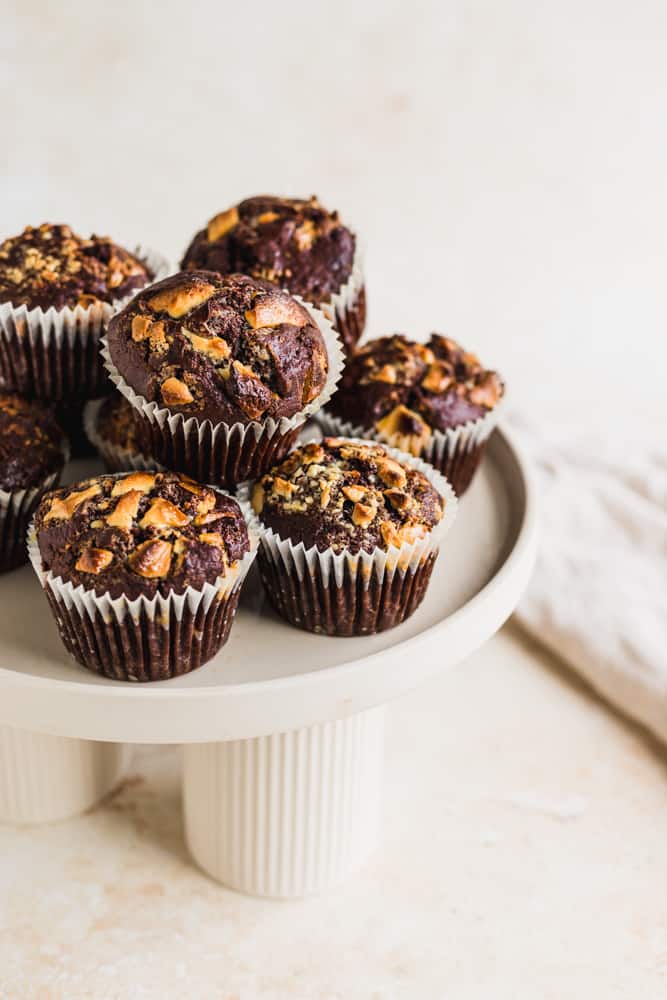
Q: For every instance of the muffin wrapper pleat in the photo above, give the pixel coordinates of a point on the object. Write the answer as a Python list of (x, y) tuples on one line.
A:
[(455, 453), (349, 593), (115, 458), (227, 454), (144, 639), (347, 308), (54, 354)]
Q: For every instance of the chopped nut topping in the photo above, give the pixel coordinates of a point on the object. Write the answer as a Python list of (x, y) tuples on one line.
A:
[(125, 510), (257, 498), (391, 472), (283, 488), (206, 503), (175, 392), (313, 452), (305, 235), (179, 301), (164, 514), (212, 538), (487, 392), (64, 509), (405, 429), (265, 217), (390, 535), (325, 496), (221, 224), (363, 514), (273, 311), (438, 378), (385, 374), (152, 559), (399, 500), (93, 560), (142, 481), (354, 493)]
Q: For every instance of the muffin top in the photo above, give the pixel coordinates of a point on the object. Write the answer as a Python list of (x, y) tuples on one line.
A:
[(30, 443), (291, 242), (224, 348), (343, 494), (140, 533), (119, 424), (51, 266), (404, 389)]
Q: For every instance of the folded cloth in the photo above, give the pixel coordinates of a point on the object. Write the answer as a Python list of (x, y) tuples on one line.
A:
[(598, 597)]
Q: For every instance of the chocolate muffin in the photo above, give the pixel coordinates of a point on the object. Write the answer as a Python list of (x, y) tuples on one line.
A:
[(57, 291), (434, 399), (32, 455), (118, 433), (349, 535), (294, 243), (147, 536), (240, 356)]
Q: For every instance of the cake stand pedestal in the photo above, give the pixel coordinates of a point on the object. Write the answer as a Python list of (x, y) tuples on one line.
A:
[(282, 730)]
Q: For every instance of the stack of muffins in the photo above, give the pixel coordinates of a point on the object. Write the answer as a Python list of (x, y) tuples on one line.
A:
[(212, 374)]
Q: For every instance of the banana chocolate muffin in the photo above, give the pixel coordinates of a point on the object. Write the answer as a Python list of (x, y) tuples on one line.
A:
[(46, 351), (118, 433), (32, 455), (434, 399), (230, 350), (373, 507), (293, 242), (142, 535)]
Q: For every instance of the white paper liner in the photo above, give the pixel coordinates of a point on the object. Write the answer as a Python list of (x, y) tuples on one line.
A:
[(49, 331), (16, 510), (116, 458), (345, 300), (442, 450), (221, 437), (332, 566), (159, 608)]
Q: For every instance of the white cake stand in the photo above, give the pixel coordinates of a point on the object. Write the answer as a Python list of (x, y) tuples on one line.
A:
[(283, 730)]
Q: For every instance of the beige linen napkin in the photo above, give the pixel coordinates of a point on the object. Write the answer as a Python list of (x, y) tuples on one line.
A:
[(598, 597)]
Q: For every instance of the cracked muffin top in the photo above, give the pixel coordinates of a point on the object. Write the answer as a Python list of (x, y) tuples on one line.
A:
[(31, 443), (140, 533), (343, 494), (224, 348), (50, 266), (404, 390), (292, 242)]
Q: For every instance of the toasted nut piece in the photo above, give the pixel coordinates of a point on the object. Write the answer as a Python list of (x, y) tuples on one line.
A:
[(93, 560), (363, 514), (391, 472), (404, 429), (125, 510), (175, 393), (313, 452), (283, 488), (221, 224), (354, 493), (213, 347), (385, 374), (208, 517), (305, 234), (164, 514), (325, 496), (65, 508), (192, 486), (273, 310), (488, 392), (267, 217), (471, 361), (438, 378), (206, 503), (425, 353), (142, 481), (257, 498), (399, 500), (141, 326), (152, 559), (212, 538), (390, 535), (179, 301)]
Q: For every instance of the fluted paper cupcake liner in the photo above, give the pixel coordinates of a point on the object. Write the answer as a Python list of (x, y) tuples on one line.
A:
[(227, 454), (115, 458), (347, 308), (52, 353), (455, 453), (145, 639), (349, 593), (16, 510)]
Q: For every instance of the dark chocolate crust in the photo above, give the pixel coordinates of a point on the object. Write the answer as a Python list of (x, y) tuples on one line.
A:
[(30, 443), (140, 533), (344, 495), (50, 266), (120, 425), (405, 389), (291, 242), (226, 349)]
